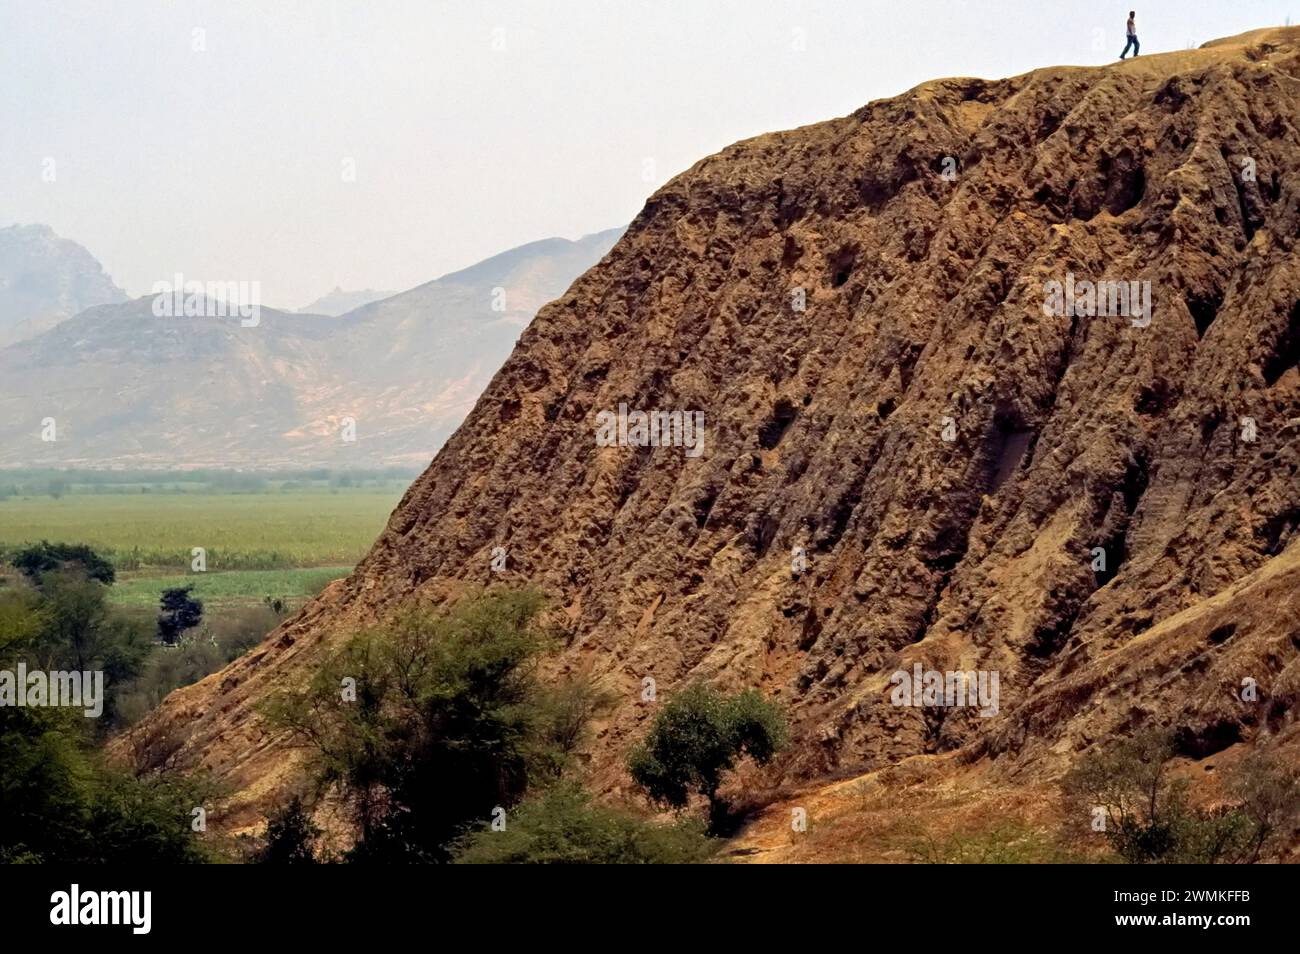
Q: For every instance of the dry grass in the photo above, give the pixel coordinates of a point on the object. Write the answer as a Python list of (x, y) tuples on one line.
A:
[(912, 813)]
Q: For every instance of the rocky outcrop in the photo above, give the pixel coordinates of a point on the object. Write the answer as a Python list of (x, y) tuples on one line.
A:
[(863, 311)]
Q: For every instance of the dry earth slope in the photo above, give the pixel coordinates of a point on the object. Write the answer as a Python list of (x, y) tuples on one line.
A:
[(825, 430)]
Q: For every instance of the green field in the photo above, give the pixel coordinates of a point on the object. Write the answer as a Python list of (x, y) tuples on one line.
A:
[(284, 544), (236, 587), (257, 531), (272, 542)]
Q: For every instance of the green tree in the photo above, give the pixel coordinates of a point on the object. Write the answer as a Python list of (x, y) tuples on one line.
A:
[(290, 837), (177, 612), (1268, 794), (145, 820), (58, 801), (1150, 819), (67, 625), (21, 617), (429, 723), (81, 632), (39, 558), (697, 737)]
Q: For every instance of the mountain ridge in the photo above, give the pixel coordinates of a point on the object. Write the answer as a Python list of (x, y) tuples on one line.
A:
[(45, 279), (210, 392)]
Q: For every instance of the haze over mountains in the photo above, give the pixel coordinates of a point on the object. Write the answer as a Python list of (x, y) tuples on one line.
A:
[(127, 388), (340, 302), (45, 279)]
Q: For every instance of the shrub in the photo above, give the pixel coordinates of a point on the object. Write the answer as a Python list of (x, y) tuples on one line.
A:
[(446, 722), (164, 671), (563, 826), (1148, 815), (698, 737), (1268, 794), (564, 713), (290, 837), (59, 803), (39, 558)]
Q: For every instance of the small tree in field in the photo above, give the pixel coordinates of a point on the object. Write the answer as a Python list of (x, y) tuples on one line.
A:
[(177, 612), (698, 737), (40, 558)]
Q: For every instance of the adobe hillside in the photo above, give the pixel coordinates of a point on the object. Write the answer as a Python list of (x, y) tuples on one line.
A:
[(825, 429)]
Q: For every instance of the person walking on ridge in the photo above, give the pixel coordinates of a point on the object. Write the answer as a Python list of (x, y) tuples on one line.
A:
[(1132, 35)]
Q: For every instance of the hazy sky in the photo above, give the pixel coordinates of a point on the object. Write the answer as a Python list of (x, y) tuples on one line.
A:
[(473, 126)]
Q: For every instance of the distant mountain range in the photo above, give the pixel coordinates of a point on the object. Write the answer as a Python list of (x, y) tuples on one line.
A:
[(340, 302), (126, 388), (45, 279)]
